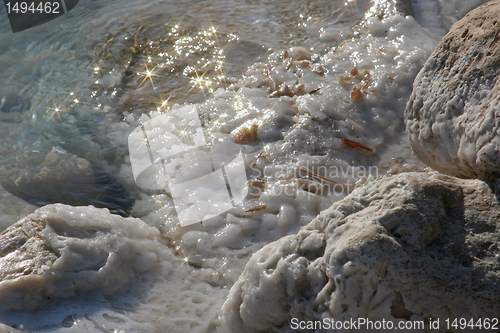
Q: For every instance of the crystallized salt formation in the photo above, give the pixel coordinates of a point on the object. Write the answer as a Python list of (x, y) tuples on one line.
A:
[(304, 103), (410, 247), (60, 251), (291, 116), (49, 174), (453, 114)]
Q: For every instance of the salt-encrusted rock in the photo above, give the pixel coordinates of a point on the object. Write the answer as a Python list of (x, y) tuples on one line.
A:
[(415, 246), (62, 251), (452, 117), (7, 329)]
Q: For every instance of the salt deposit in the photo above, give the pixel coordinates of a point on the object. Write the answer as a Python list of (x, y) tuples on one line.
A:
[(415, 246), (300, 135), (452, 112), (50, 174), (85, 254), (297, 99), (61, 251)]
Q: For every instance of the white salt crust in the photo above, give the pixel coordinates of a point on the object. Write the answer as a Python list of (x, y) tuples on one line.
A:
[(407, 247), (452, 114), (91, 256), (302, 131), (296, 131)]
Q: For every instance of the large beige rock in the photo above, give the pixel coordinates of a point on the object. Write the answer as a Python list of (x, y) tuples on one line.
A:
[(60, 251), (416, 246), (453, 115)]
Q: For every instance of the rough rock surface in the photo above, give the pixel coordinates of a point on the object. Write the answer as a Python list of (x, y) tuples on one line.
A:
[(61, 251), (414, 246), (453, 115)]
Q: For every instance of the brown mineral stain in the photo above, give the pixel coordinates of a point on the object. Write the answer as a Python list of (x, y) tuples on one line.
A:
[(256, 208), (247, 135), (345, 80), (365, 73), (356, 95)]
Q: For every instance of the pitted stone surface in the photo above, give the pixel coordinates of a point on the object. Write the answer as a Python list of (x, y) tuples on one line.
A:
[(453, 115), (410, 247)]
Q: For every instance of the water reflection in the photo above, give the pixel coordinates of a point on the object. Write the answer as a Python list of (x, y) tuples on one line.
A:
[(439, 15), (67, 85)]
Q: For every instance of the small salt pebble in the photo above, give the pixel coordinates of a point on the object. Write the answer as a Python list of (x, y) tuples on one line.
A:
[(356, 95)]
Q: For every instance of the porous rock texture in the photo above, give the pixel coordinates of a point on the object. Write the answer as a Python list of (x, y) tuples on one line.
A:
[(60, 251), (415, 246), (453, 115)]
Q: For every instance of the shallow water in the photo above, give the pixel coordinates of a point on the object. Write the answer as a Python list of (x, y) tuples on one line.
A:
[(80, 75), (85, 71), (82, 83)]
